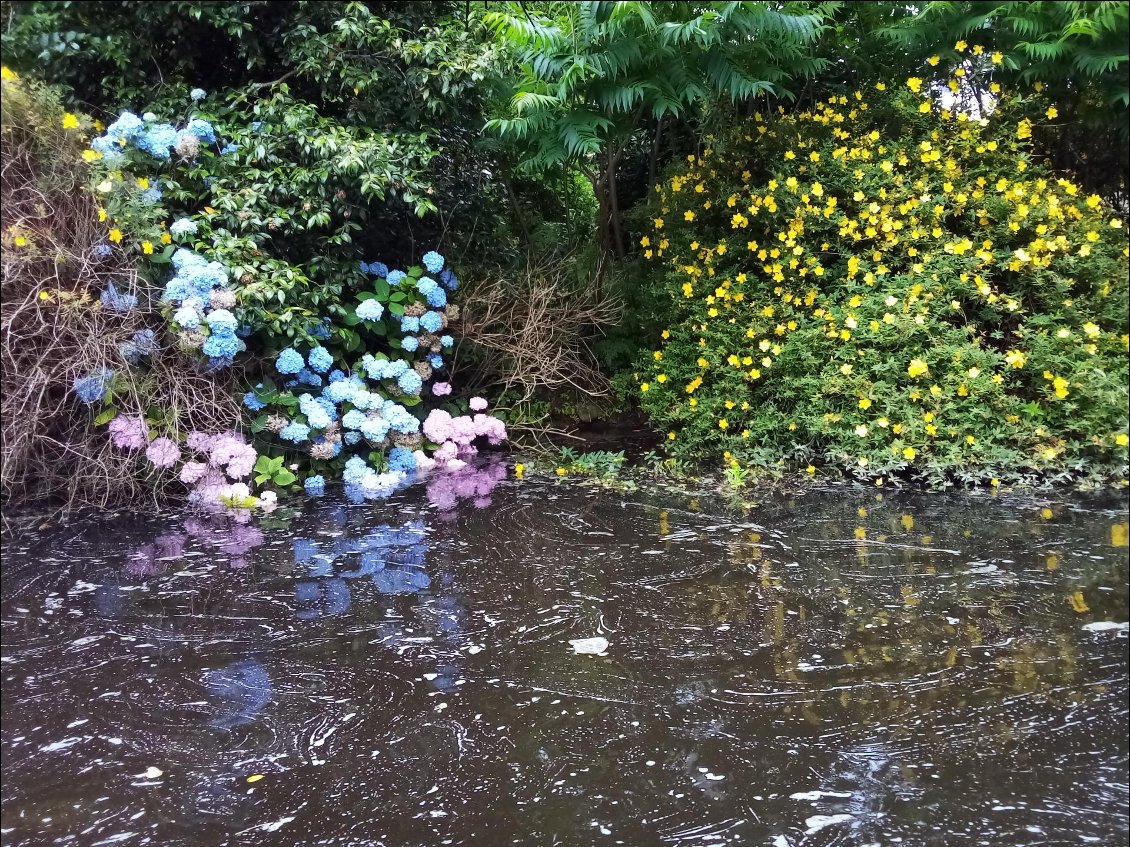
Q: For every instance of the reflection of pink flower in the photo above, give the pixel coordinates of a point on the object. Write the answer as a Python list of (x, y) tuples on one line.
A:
[(441, 389), (163, 452), (128, 432), (478, 404), (192, 472), (462, 482)]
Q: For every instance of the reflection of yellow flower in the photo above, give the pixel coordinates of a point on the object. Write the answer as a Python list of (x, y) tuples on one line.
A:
[(519, 470), (7, 73), (70, 121)]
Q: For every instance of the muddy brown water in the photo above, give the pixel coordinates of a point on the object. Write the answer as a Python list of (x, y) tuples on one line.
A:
[(840, 667)]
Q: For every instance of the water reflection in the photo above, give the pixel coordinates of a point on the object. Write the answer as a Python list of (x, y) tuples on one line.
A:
[(835, 668)]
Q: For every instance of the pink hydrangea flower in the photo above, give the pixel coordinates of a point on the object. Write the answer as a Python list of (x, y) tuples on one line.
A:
[(192, 472), (478, 404), (163, 452), (128, 432), (441, 389)]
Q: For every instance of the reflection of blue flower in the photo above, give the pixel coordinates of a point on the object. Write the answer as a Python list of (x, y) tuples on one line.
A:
[(401, 580), (243, 688), (304, 548), (322, 598)]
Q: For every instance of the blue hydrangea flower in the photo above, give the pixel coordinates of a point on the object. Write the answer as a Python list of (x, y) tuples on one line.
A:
[(295, 432), (410, 343), (128, 351), (198, 94), (436, 361), (378, 269), (202, 130), (221, 322), (431, 321), (433, 261), (402, 460), (115, 301), (426, 284), (396, 367), (340, 391), (365, 400), (252, 402), (187, 317), (321, 329), (145, 340), (446, 341), (448, 280), (437, 299), (410, 382), (110, 149), (375, 429), (229, 148), (103, 251), (410, 323), (337, 375), (351, 438), (158, 140), (370, 310), (394, 277), (353, 419), (183, 227), (308, 377), (128, 126), (221, 346), (320, 359), (92, 387), (289, 361), (355, 470), (152, 194), (315, 485)]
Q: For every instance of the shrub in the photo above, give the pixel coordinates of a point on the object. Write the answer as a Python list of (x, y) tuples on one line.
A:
[(889, 287)]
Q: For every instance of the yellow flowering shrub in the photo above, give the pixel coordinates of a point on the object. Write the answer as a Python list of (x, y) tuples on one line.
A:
[(888, 287)]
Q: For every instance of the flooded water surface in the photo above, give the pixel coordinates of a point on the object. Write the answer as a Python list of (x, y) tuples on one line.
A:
[(839, 667)]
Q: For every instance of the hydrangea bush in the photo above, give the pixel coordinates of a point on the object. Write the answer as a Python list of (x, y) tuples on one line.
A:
[(886, 286)]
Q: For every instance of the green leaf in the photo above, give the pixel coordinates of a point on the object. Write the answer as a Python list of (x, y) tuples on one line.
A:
[(284, 477), (262, 464), (106, 415), (396, 308), (259, 424)]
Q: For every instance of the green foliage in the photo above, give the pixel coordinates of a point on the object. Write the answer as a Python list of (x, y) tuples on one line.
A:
[(890, 288), (601, 464), (271, 470)]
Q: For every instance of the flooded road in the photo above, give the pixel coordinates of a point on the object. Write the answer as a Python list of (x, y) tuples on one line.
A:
[(844, 667)]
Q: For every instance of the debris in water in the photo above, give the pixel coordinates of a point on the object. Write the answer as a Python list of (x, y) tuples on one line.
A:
[(590, 646), (1105, 626)]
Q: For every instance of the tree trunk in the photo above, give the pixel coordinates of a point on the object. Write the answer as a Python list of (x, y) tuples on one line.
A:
[(616, 230)]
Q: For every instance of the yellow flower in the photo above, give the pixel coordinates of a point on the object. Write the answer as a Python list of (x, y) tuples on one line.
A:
[(916, 368), (961, 45), (923, 107), (166, 238), (645, 387), (880, 86), (1092, 330), (909, 453), (519, 470), (810, 470), (1052, 113), (688, 215), (1024, 129), (91, 155), (723, 424), (561, 472), (147, 248), (1015, 358), (865, 403), (658, 223), (1060, 384), (1122, 439), (20, 241), (969, 439), (670, 436), (661, 378), (143, 182), (1048, 454), (933, 60), (102, 216), (70, 121), (7, 73), (845, 370), (914, 84), (116, 235)]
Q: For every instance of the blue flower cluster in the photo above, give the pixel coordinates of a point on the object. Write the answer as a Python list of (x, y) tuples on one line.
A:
[(315, 485), (183, 227), (433, 293), (251, 399), (195, 277), (115, 301), (142, 343), (320, 360), (433, 261), (156, 139), (377, 269), (92, 387)]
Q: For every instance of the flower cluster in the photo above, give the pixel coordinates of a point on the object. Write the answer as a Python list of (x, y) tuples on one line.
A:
[(223, 460), (200, 289), (152, 137)]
